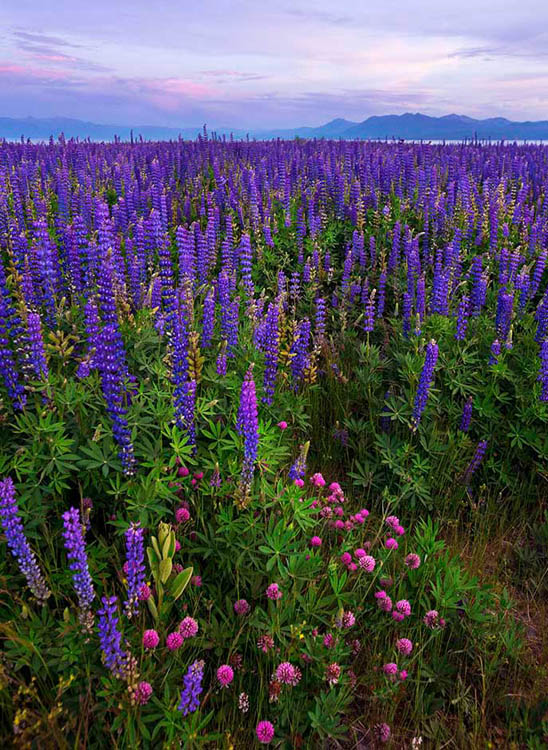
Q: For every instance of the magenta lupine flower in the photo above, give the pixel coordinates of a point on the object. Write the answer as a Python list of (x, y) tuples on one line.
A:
[(403, 675), (431, 618), (412, 561), (393, 521), (188, 627), (150, 639), (225, 675), (144, 593), (329, 640), (347, 620), (241, 607), (317, 480), (174, 641), (391, 543), (287, 674), (385, 604), (264, 732), (316, 541), (382, 732), (390, 669), (332, 673), (404, 607), (400, 531), (282, 425), (182, 515), (265, 643), (273, 592), (143, 692), (346, 558), (367, 563), (404, 646), (17, 541)]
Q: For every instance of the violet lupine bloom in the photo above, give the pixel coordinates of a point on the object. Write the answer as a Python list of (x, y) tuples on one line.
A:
[(466, 414), (190, 701), (543, 373), (462, 318), (76, 552), (475, 462), (299, 350), (247, 425), (8, 366), (271, 346), (369, 322), (208, 323), (17, 542), (495, 353), (135, 572), (110, 637), (36, 347), (425, 381)]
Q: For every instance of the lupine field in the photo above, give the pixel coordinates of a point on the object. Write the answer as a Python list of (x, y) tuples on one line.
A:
[(273, 445)]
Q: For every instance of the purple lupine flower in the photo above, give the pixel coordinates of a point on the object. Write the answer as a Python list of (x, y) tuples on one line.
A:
[(135, 571), (406, 313), (425, 381), (247, 425), (299, 349), (462, 318), (76, 552), (466, 414), (495, 353), (36, 346), (369, 321), (110, 637), (208, 323), (319, 321), (271, 346), (543, 372), (298, 469), (190, 701), (475, 462), (17, 541)]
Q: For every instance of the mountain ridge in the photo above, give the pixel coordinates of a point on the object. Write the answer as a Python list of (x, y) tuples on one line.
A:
[(407, 126)]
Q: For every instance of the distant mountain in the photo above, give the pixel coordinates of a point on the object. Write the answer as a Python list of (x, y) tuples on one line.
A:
[(408, 127)]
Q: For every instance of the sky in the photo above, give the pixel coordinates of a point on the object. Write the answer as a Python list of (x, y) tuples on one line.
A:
[(282, 63)]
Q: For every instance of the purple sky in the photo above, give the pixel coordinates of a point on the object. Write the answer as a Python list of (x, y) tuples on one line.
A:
[(251, 63)]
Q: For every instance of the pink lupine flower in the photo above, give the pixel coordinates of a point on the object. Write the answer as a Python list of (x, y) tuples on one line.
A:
[(352, 567), (144, 593), (335, 487), (360, 553), (265, 643), (382, 732), (241, 607), (346, 558), (339, 524), (142, 694), (316, 541), (317, 480), (183, 471), (332, 673), (298, 483), (391, 543), (182, 515), (199, 475), (188, 627), (329, 640), (287, 674), (174, 641), (390, 669), (403, 675), (393, 521), (177, 545), (404, 646), (412, 561), (273, 592), (404, 607), (150, 639), (282, 425), (264, 732), (400, 531), (431, 618), (385, 604), (225, 675), (367, 563)]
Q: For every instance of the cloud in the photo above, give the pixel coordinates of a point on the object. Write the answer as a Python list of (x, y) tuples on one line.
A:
[(43, 39)]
